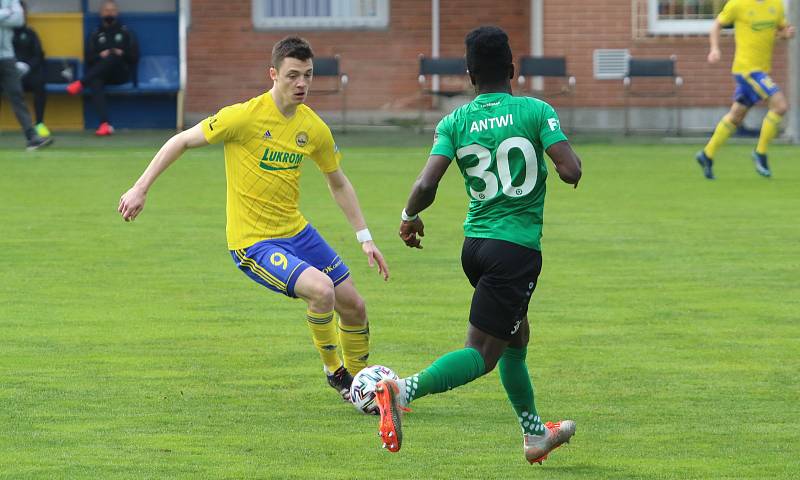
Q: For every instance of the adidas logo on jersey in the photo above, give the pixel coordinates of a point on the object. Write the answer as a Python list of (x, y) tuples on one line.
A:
[(267, 135)]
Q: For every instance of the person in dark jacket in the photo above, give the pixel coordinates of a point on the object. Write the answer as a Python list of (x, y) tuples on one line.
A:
[(30, 63), (111, 57)]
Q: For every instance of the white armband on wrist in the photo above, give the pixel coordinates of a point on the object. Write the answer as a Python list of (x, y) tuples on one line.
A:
[(363, 235), (407, 218)]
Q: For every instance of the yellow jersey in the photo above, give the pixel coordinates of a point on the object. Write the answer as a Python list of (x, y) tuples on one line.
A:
[(263, 154), (755, 23)]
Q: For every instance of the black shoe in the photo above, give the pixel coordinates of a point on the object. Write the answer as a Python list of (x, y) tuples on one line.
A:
[(341, 380), (761, 164), (706, 163), (38, 142)]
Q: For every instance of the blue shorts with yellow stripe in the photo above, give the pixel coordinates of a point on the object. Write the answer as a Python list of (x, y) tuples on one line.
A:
[(753, 87), (276, 263)]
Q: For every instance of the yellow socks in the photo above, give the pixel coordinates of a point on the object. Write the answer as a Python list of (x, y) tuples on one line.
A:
[(769, 130), (323, 331), (355, 346), (724, 130), (354, 342)]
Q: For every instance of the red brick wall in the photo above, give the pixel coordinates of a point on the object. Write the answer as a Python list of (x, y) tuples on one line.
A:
[(227, 58), (608, 24)]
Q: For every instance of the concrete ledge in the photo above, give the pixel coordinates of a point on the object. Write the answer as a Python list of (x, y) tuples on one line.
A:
[(693, 120)]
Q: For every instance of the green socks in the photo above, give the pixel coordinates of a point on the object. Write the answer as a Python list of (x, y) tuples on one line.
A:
[(463, 366), (517, 382), (447, 372)]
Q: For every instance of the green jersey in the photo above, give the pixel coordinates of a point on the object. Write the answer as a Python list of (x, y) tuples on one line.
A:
[(498, 141)]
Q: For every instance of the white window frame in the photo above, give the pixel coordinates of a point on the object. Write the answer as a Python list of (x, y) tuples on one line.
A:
[(674, 27), (262, 22), (682, 27)]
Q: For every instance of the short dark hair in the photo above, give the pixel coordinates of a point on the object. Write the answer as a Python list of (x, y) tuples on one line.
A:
[(488, 54), (291, 47)]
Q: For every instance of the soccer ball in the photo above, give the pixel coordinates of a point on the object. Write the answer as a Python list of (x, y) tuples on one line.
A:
[(362, 392)]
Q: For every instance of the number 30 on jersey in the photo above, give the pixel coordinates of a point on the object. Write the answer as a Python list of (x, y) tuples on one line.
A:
[(481, 170)]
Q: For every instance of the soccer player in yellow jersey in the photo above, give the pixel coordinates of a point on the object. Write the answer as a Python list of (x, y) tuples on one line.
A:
[(266, 139), (756, 25)]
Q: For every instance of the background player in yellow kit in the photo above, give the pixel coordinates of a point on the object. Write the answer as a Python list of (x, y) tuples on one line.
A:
[(756, 24), (266, 139)]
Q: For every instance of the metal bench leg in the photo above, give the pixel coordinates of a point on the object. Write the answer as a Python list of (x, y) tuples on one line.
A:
[(627, 116), (344, 110), (421, 119)]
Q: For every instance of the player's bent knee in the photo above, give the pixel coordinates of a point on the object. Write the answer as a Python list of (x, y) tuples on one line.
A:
[(359, 308), (490, 363), (736, 117), (316, 288), (323, 292), (520, 340), (350, 305), (490, 352), (352, 312)]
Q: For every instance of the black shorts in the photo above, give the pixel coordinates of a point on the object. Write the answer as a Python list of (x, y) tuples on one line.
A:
[(504, 275)]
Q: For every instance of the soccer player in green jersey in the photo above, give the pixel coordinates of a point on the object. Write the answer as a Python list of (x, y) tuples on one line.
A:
[(497, 141)]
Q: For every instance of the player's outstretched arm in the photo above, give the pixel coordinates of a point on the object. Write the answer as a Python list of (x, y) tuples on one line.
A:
[(567, 163), (132, 202), (786, 32), (423, 193), (714, 53), (345, 195)]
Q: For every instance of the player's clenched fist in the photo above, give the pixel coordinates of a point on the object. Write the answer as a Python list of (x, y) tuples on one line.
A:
[(131, 203), (714, 55), (409, 231)]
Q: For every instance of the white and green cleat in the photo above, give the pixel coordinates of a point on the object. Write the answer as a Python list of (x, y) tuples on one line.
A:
[(537, 447)]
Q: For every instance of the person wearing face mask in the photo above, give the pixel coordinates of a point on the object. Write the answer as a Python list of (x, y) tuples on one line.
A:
[(111, 55), (11, 17)]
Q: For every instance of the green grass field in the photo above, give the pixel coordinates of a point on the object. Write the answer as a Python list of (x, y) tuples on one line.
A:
[(666, 323)]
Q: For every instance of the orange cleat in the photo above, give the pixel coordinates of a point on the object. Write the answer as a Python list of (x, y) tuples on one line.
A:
[(104, 130), (537, 447), (75, 87), (390, 430)]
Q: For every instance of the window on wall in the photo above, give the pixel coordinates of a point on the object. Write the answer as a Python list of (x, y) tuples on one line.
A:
[(682, 16), (328, 14)]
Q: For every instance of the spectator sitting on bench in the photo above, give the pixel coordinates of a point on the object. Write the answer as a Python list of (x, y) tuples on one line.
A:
[(111, 55), (30, 63)]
